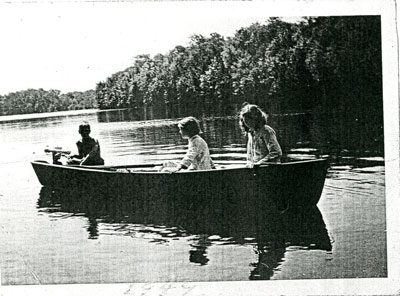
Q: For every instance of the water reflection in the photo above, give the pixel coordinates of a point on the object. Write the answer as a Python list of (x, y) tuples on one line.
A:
[(119, 115), (198, 253), (321, 133), (202, 223), (353, 195), (267, 258), (125, 138), (217, 131)]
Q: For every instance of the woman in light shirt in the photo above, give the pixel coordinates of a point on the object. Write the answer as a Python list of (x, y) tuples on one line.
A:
[(198, 155), (262, 144)]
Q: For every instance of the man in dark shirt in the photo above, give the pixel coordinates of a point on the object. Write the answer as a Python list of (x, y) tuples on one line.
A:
[(88, 148)]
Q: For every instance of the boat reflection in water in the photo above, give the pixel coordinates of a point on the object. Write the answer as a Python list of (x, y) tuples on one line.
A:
[(203, 221)]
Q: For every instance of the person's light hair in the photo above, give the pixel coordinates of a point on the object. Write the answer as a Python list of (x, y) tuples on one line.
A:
[(256, 112)]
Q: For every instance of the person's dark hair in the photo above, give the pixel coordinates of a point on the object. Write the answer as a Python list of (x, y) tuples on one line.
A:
[(84, 124), (190, 125), (255, 111)]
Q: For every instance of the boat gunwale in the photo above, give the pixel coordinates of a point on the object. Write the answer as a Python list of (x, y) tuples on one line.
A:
[(99, 170)]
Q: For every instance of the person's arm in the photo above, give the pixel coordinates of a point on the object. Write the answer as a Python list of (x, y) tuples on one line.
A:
[(274, 149), (76, 158), (249, 157), (212, 164), (189, 157), (93, 153)]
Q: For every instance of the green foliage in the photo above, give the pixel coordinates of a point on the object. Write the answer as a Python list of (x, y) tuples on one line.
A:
[(39, 101), (324, 62), (343, 57), (329, 64)]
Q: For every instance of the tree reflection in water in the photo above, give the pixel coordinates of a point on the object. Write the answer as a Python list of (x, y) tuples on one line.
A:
[(233, 220)]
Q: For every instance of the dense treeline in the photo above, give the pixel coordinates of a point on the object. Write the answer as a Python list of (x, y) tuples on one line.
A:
[(331, 63), (39, 101), (329, 67)]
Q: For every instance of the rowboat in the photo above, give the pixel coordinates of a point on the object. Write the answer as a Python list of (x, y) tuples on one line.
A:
[(297, 183)]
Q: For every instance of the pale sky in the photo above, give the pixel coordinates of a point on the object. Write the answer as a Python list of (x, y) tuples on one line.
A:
[(72, 45)]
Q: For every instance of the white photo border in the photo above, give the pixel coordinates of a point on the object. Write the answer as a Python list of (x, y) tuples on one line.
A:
[(387, 9)]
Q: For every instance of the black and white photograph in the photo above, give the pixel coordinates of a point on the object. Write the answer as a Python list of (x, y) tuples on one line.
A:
[(199, 148)]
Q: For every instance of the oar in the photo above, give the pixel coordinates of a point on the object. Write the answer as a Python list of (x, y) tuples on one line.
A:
[(142, 165), (241, 163), (125, 166), (147, 165), (151, 165), (230, 162), (47, 150)]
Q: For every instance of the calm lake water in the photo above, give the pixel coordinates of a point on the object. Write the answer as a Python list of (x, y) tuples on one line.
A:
[(50, 236)]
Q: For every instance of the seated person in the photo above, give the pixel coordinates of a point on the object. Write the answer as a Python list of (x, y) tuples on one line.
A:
[(88, 149), (262, 143), (198, 155)]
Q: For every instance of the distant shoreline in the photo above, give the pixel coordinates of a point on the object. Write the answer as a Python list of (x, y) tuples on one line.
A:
[(49, 114)]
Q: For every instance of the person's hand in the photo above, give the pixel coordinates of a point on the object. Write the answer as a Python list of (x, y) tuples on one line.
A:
[(255, 165), (72, 160), (175, 169), (262, 162), (250, 165), (170, 170)]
